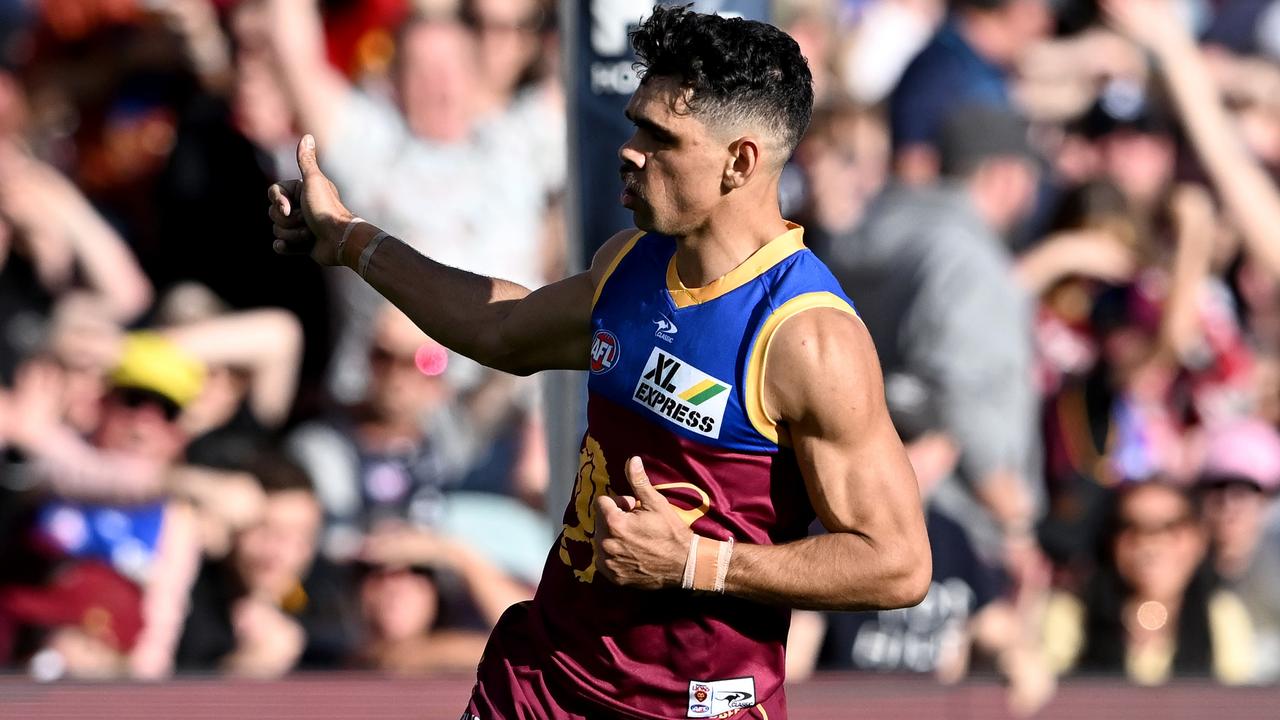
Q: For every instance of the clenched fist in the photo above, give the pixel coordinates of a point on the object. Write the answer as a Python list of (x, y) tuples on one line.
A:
[(640, 540)]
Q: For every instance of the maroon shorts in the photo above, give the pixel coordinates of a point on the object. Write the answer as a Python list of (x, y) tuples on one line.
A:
[(511, 686)]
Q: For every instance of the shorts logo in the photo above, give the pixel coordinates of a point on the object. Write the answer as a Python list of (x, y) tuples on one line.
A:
[(605, 350), (683, 394), (719, 698), (469, 716)]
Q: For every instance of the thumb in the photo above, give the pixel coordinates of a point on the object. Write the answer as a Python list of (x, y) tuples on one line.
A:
[(307, 156), (640, 485)]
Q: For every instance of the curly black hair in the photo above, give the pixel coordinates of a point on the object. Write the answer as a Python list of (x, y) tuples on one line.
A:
[(739, 71)]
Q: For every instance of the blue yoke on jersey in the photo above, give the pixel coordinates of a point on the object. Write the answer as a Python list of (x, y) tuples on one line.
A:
[(692, 359)]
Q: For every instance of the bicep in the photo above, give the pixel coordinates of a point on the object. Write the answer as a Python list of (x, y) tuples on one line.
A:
[(826, 383), (550, 328)]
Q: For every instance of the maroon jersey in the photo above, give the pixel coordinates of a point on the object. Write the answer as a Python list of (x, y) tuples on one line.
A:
[(676, 379)]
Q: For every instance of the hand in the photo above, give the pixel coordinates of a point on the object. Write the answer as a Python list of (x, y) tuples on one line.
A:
[(35, 405), (640, 541), (307, 214), (268, 642)]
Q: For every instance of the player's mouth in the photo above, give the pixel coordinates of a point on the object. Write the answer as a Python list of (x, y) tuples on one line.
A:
[(630, 191)]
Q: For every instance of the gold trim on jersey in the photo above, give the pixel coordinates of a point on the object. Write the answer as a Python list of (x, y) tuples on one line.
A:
[(613, 265), (754, 390), (774, 252)]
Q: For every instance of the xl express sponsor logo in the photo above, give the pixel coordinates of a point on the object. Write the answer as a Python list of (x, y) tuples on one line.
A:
[(682, 393)]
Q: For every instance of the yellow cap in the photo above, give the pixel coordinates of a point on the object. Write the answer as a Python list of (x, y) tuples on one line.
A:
[(149, 361)]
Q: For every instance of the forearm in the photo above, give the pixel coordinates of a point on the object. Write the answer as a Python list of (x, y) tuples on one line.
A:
[(1180, 328), (172, 574), (491, 589), (1241, 181), (463, 311), (70, 467), (836, 571), (266, 342), (106, 261), (1042, 266), (312, 86)]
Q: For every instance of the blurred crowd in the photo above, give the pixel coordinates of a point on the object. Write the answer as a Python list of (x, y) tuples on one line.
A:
[(1059, 220)]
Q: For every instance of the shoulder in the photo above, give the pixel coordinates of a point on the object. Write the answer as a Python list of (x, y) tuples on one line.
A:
[(606, 259), (821, 356)]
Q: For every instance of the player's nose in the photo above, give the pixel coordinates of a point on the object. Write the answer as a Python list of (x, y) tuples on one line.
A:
[(629, 156)]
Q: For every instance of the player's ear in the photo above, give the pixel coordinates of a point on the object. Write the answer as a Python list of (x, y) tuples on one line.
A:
[(743, 162)]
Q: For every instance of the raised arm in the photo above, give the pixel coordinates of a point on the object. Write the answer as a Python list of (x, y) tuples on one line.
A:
[(314, 88), (1246, 191), (267, 342), (823, 386), (495, 322)]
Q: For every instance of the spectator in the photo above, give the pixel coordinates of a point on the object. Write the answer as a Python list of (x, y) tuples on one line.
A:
[(252, 360), (383, 459), (89, 618), (933, 282), (844, 163), (511, 36), (272, 604), (401, 602), (1154, 610), (888, 36), (112, 502), (1238, 479), (52, 241), (968, 62)]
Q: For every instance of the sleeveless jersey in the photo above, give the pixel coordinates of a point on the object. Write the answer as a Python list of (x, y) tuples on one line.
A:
[(676, 379)]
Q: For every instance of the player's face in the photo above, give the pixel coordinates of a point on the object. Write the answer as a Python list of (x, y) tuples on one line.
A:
[(673, 166)]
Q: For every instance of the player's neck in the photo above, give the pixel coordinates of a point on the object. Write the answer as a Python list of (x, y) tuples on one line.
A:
[(725, 241)]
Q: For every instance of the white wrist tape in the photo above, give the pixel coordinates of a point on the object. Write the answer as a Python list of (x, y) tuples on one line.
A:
[(722, 564), (346, 233), (690, 564)]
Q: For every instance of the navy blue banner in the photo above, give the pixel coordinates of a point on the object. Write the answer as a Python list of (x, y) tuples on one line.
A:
[(601, 83)]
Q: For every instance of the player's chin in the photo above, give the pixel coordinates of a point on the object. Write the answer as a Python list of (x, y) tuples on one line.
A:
[(642, 218)]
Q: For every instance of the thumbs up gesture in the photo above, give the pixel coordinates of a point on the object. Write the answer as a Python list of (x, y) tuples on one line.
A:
[(307, 214), (640, 541)]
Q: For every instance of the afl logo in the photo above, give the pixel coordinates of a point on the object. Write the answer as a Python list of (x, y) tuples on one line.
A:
[(604, 352)]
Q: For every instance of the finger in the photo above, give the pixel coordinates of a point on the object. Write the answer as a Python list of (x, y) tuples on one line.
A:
[(290, 221), (291, 234), (627, 503), (292, 247), (278, 196), (639, 479), (607, 510), (307, 158)]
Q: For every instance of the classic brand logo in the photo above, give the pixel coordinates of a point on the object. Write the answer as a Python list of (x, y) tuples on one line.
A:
[(666, 328), (605, 350), (683, 394)]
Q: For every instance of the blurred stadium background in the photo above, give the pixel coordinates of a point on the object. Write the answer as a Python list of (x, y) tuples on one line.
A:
[(239, 485)]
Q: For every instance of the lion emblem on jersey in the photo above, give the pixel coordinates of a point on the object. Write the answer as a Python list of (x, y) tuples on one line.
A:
[(576, 550)]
